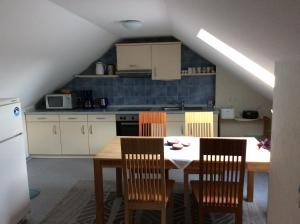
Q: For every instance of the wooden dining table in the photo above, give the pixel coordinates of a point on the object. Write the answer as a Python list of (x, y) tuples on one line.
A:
[(257, 160)]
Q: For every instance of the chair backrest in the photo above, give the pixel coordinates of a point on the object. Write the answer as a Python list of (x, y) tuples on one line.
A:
[(267, 127), (152, 124), (222, 168), (143, 169), (199, 124)]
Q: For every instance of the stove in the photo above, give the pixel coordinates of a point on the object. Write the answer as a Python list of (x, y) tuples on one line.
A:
[(127, 124), (134, 109)]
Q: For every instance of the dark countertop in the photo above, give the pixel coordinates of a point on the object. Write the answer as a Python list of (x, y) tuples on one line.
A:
[(116, 110)]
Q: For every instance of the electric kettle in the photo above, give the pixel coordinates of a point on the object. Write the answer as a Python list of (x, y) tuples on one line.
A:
[(100, 68)]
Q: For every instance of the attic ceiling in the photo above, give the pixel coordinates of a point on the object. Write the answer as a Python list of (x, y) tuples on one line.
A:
[(264, 31), (46, 42)]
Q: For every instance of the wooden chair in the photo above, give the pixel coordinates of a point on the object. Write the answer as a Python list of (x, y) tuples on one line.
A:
[(197, 124), (221, 177), (267, 127), (143, 167), (152, 124)]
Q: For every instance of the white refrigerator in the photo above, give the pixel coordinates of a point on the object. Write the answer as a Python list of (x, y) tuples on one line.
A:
[(14, 193)]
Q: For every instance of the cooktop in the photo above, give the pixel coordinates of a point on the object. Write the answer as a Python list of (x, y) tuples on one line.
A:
[(134, 109)]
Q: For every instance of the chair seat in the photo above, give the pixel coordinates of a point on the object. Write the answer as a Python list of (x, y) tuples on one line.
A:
[(145, 193), (218, 198)]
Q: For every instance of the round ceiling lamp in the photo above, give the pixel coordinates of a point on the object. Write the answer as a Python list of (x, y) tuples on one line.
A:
[(132, 24)]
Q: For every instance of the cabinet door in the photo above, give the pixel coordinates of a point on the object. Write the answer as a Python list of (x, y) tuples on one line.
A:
[(100, 134), (74, 138), (133, 57), (166, 61), (44, 138)]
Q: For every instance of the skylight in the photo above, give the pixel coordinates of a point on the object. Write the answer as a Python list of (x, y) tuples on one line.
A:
[(238, 58)]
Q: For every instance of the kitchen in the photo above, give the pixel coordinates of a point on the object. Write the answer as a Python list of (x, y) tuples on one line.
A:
[(86, 83)]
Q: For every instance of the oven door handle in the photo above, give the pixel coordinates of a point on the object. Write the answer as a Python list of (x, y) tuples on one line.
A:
[(127, 123)]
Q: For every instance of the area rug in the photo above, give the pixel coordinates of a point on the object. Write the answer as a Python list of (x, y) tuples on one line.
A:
[(78, 207)]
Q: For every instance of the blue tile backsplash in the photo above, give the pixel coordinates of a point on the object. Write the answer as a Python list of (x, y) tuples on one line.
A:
[(137, 91), (142, 91)]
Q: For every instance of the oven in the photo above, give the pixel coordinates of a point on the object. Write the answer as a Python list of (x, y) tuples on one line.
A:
[(127, 124)]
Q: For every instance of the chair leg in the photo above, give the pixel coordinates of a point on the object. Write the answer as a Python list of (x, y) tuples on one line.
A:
[(128, 216), (201, 216), (163, 217), (170, 210), (239, 217), (186, 189), (167, 174)]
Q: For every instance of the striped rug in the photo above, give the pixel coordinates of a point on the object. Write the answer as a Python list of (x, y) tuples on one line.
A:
[(78, 207)]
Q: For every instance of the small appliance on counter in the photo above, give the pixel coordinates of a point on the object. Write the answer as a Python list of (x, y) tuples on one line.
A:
[(227, 113), (85, 99), (60, 101), (250, 114), (101, 102)]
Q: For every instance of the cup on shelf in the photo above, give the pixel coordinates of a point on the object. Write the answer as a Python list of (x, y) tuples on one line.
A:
[(190, 70)]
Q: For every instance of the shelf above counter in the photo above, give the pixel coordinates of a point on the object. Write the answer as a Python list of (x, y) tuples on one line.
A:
[(96, 76), (239, 119), (197, 74)]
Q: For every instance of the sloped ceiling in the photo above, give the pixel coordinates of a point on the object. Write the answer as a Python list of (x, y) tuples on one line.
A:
[(265, 31), (43, 43)]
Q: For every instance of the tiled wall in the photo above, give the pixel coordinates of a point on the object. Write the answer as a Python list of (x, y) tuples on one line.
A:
[(137, 91)]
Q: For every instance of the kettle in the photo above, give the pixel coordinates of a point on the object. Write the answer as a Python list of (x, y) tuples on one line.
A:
[(100, 68), (103, 102)]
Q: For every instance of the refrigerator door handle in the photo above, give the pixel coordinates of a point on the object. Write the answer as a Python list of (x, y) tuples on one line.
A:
[(7, 139)]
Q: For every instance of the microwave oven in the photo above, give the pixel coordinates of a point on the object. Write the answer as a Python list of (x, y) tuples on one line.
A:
[(60, 101)]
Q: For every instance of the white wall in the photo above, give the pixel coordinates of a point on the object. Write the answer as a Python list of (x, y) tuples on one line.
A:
[(42, 45), (285, 156), (232, 92)]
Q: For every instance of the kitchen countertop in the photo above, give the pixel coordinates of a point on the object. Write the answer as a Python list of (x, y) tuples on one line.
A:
[(116, 110)]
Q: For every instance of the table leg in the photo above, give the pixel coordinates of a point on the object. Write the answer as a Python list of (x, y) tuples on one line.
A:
[(98, 175), (167, 174), (119, 182), (250, 186), (186, 189)]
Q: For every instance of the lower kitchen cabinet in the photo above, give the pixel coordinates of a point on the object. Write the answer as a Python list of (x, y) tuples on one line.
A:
[(44, 138), (74, 138), (100, 134)]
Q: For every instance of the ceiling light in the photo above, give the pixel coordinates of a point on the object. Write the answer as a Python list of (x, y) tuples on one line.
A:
[(132, 24), (240, 59)]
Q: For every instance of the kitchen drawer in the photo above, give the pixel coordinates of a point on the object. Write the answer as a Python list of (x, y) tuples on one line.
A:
[(92, 118), (41, 118), (175, 117), (73, 117)]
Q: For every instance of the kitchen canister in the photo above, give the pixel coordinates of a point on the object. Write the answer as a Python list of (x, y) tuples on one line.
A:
[(100, 68)]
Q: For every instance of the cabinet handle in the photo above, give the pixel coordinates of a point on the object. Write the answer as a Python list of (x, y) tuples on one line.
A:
[(72, 118), (54, 130), (181, 129), (91, 129), (100, 118), (82, 129), (132, 66), (41, 118)]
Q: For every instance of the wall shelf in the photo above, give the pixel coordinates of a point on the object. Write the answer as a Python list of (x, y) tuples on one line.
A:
[(96, 76), (198, 74), (239, 119)]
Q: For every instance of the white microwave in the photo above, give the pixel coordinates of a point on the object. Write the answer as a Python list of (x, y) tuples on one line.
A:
[(60, 101)]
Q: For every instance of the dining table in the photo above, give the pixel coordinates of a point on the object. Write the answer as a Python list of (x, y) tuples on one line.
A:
[(257, 160)]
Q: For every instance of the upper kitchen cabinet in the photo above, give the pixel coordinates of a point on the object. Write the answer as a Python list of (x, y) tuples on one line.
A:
[(166, 61), (133, 57)]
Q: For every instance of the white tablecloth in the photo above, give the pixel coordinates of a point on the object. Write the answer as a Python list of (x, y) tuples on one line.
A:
[(182, 158)]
